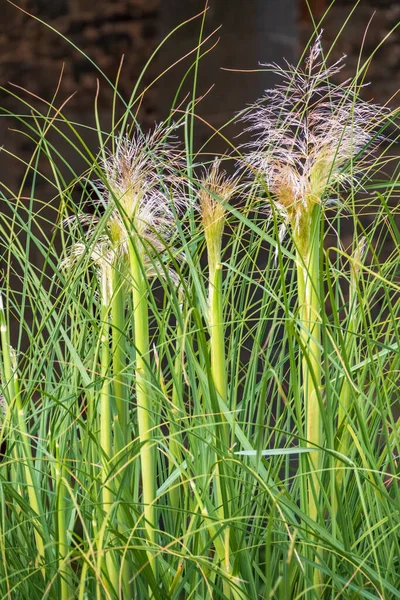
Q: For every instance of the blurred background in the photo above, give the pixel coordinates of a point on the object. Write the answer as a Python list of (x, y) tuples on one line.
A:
[(243, 32), (33, 56)]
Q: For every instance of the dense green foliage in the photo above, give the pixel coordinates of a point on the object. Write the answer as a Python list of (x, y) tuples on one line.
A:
[(158, 438)]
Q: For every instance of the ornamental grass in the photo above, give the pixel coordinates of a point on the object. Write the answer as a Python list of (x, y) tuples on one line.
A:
[(199, 379)]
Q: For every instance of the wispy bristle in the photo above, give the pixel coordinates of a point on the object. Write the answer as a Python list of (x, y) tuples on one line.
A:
[(141, 193), (309, 134), (216, 190)]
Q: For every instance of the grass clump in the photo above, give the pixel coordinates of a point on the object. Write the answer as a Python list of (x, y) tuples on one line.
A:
[(203, 397)]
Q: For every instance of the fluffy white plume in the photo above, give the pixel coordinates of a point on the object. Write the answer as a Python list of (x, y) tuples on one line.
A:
[(310, 135)]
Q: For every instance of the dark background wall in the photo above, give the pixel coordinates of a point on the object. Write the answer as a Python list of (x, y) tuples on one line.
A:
[(33, 56), (365, 28), (247, 33)]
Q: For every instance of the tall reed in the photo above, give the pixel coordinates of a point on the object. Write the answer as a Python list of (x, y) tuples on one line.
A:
[(215, 192), (312, 139)]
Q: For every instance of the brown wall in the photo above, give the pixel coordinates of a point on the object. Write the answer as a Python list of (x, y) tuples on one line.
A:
[(32, 55), (365, 30)]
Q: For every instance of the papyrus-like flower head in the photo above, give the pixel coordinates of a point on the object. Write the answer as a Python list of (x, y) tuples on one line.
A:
[(309, 135), (140, 193)]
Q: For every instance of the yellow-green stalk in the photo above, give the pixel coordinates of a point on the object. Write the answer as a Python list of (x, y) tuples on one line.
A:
[(14, 402), (216, 190), (144, 405), (104, 258), (121, 398), (140, 193), (310, 137), (308, 256), (304, 217), (141, 188), (118, 302), (67, 592)]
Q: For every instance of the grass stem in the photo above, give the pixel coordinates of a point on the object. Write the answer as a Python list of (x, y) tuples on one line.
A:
[(143, 396), (63, 548), (121, 398), (308, 281)]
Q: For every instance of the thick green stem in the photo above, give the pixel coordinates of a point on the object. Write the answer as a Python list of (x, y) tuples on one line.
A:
[(219, 374), (13, 399), (217, 342), (308, 280), (308, 276), (143, 396)]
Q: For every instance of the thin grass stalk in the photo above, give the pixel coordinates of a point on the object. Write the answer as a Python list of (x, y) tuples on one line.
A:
[(63, 548), (13, 398), (143, 396), (106, 431), (345, 397), (83, 582), (231, 584), (308, 280), (118, 361), (345, 392), (176, 408)]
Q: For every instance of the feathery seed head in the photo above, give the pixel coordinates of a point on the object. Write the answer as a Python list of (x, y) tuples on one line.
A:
[(216, 189), (142, 187), (141, 192), (310, 135)]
